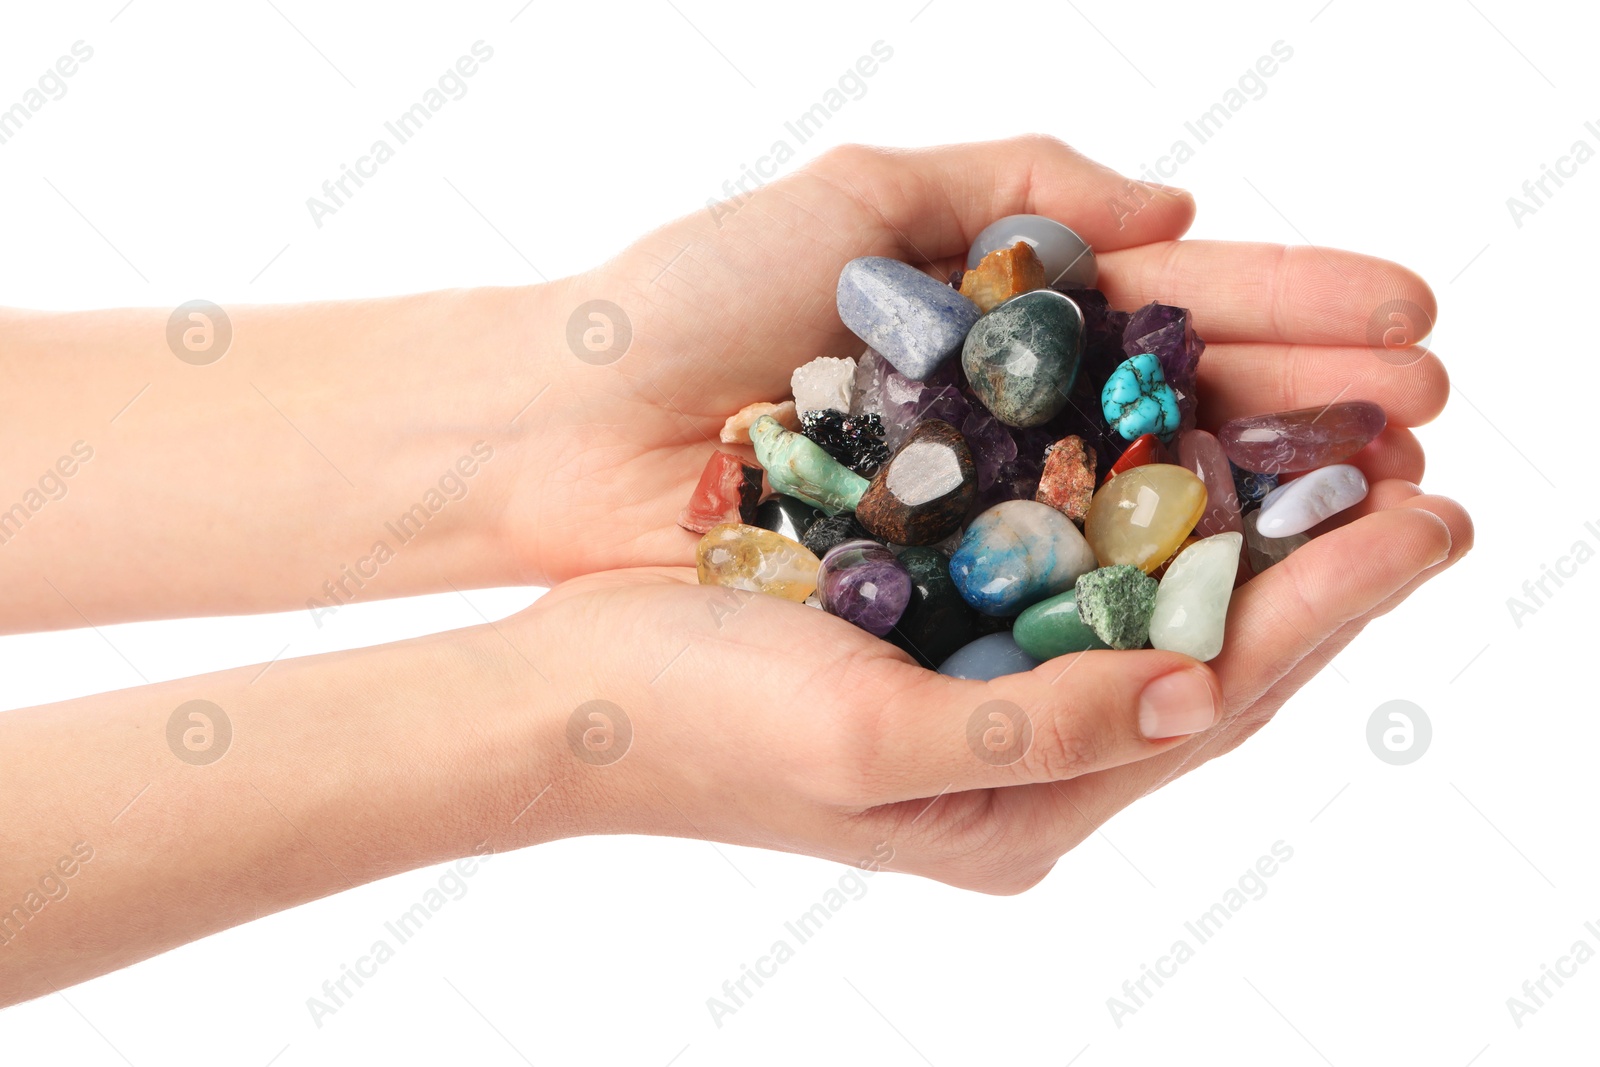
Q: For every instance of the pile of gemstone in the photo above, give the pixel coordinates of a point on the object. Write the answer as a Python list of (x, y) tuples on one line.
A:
[(1011, 471)]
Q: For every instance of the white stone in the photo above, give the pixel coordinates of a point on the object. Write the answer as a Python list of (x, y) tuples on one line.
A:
[(825, 382), (1294, 507), (1191, 610)]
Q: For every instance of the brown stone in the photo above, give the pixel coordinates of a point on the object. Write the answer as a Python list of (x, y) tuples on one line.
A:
[(1003, 274), (922, 495), (1067, 483)]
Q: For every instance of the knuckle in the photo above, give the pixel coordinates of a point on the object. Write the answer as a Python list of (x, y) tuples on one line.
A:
[(1064, 746)]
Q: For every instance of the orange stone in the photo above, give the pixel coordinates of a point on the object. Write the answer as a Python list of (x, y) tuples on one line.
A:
[(1003, 274), (1143, 450)]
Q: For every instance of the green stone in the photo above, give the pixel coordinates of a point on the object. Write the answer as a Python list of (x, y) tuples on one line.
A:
[(938, 621), (1053, 628), (1117, 603), (1022, 358), (799, 467)]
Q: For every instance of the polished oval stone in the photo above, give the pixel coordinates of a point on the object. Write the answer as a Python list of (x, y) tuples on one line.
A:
[(990, 656), (1067, 258), (1264, 551), (1300, 440), (1191, 607), (798, 467), (913, 321), (1137, 400), (1022, 358), (1294, 507), (1017, 553), (937, 621), (1116, 602), (1199, 452), (727, 492), (1140, 517), (924, 492), (862, 583), (786, 515), (757, 561), (1053, 628)]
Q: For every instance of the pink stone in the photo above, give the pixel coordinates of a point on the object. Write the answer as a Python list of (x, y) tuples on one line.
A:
[(729, 490), (1067, 483), (1200, 452), (1302, 440)]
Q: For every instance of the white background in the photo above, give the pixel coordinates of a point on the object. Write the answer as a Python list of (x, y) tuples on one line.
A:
[(1418, 898)]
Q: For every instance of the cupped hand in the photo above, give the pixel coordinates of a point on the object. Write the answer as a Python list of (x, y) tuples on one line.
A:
[(724, 304)]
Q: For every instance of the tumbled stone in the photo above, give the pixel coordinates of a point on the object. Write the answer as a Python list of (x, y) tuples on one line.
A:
[(902, 403), (786, 515), (922, 495), (912, 320), (1166, 332), (1161, 570), (1141, 516), (832, 530), (1067, 258), (1265, 551), (989, 657), (1116, 603), (798, 467), (1191, 606), (1294, 507), (854, 440), (1003, 274), (736, 431), (937, 621), (1252, 486), (1068, 480), (1053, 628), (1142, 450), (727, 492), (1017, 553), (825, 382), (1199, 452), (1021, 359), (1300, 440), (755, 560), (863, 584), (1137, 399)]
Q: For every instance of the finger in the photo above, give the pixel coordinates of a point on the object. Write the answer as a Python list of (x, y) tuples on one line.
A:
[(1069, 716), (1262, 292), (934, 201), (1249, 379)]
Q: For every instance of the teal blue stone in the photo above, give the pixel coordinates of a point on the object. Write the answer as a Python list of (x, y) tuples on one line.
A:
[(1022, 358), (988, 657), (1137, 399)]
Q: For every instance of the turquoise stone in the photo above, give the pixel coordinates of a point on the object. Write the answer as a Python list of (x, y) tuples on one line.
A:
[(1016, 554), (988, 657), (1137, 399), (1022, 358), (1053, 628), (1117, 603), (798, 467)]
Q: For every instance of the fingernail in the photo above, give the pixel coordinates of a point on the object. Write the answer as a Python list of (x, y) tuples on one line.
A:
[(1176, 704)]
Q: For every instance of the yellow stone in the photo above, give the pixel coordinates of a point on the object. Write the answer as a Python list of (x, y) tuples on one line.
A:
[(1141, 516), (756, 560)]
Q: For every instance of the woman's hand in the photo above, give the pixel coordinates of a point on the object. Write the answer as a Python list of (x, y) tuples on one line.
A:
[(725, 303)]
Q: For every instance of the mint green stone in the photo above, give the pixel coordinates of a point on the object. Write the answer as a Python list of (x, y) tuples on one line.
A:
[(1052, 628), (797, 466), (1117, 601)]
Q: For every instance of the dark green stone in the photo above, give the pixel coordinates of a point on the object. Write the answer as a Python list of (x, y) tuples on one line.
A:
[(786, 515), (1022, 358), (1053, 628), (937, 622), (1117, 603)]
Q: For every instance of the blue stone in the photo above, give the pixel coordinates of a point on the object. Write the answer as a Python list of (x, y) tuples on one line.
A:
[(912, 320), (1067, 258), (1252, 486), (1016, 554), (988, 657), (1137, 399)]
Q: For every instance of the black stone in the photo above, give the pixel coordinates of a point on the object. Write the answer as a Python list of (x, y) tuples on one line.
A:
[(831, 530), (937, 621), (786, 515), (854, 440)]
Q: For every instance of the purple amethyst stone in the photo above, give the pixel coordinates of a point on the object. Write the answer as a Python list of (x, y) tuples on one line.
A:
[(863, 583), (1167, 332)]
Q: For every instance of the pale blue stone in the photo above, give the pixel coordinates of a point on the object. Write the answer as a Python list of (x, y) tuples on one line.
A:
[(1294, 507), (1067, 258), (1137, 399), (988, 657), (1016, 554), (912, 320)]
